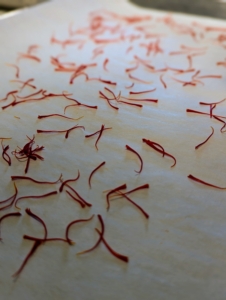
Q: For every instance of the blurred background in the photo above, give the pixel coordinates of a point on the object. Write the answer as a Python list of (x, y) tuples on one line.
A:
[(212, 8)]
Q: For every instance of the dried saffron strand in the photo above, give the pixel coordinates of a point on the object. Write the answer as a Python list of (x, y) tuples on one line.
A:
[(132, 68), (99, 240), (202, 113), (25, 83), (34, 197), (91, 174), (205, 183), (17, 75), (57, 115), (215, 117), (106, 61), (142, 92), (135, 204), (206, 140), (76, 199), (28, 56), (36, 181), (160, 150), (100, 134), (210, 76), (130, 86), (132, 104), (5, 155), (31, 95), (141, 161), (108, 100), (113, 252), (8, 94), (32, 238), (141, 187), (31, 214), (142, 100), (89, 106), (13, 214), (138, 79), (77, 194), (121, 187), (13, 197), (61, 131), (75, 222), (32, 48), (212, 103), (162, 81), (67, 181), (35, 246)]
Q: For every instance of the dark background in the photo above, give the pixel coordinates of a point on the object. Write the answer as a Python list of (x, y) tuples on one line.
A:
[(212, 8)]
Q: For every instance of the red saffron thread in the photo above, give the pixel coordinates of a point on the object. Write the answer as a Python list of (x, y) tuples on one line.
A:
[(31, 214), (57, 115), (106, 61), (17, 75), (76, 199), (204, 182), (28, 56), (25, 83), (13, 214), (142, 92), (34, 197), (99, 240), (100, 134), (67, 181), (8, 94), (135, 204), (77, 194), (121, 187), (13, 197), (162, 81), (90, 176), (206, 140), (130, 86), (75, 222), (113, 252), (159, 149), (61, 131), (5, 155), (35, 246), (141, 161), (36, 181)]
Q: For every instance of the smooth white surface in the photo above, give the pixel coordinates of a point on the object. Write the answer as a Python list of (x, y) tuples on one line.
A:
[(179, 253)]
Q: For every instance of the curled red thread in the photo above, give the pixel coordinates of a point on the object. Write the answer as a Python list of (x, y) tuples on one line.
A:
[(37, 218), (75, 222), (99, 240), (99, 136), (57, 115), (205, 183), (13, 214), (76, 199), (159, 149), (142, 92), (141, 161), (121, 187), (67, 181), (34, 197), (113, 252), (98, 167), (206, 140), (60, 131), (5, 155), (36, 181)]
